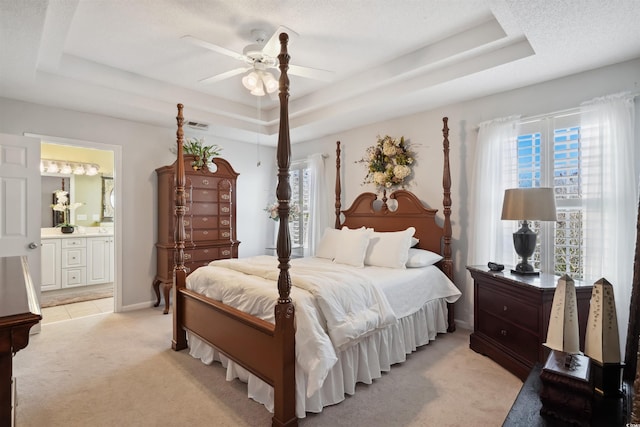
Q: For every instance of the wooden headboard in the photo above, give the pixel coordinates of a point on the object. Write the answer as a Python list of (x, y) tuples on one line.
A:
[(409, 211)]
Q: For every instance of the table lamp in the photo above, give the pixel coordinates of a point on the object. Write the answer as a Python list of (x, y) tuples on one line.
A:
[(527, 204)]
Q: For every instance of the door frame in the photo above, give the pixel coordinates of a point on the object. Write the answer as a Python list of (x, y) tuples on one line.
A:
[(118, 215)]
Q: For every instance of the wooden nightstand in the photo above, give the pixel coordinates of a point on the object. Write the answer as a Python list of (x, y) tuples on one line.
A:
[(511, 316)]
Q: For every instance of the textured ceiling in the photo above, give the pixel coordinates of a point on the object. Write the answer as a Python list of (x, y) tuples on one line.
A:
[(127, 59)]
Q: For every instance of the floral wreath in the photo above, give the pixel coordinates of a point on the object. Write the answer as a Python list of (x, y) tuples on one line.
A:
[(388, 162)]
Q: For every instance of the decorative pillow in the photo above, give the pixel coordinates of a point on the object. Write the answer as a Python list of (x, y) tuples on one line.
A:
[(352, 247), (390, 249), (422, 258), (414, 241), (329, 244)]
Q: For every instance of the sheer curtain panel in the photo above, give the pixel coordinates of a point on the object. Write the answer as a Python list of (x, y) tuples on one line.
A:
[(490, 238), (610, 196), (317, 200)]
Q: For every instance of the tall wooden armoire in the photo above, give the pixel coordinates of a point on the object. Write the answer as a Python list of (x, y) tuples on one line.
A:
[(209, 220)]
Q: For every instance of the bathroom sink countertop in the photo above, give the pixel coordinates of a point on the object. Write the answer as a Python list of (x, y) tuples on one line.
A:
[(55, 233)]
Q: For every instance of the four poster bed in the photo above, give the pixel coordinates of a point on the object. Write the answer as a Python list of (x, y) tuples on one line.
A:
[(301, 347)]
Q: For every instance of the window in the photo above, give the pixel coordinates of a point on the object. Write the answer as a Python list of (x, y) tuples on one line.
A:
[(299, 179), (549, 155)]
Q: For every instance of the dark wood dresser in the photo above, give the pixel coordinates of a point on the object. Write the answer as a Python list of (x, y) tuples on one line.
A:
[(209, 221), (511, 316), (19, 311)]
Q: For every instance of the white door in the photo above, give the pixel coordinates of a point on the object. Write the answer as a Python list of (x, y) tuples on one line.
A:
[(20, 201)]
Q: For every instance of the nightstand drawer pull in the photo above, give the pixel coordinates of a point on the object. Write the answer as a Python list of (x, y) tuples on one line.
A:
[(503, 332), (504, 308)]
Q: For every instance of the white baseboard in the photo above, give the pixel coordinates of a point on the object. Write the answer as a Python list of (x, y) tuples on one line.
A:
[(463, 325), (138, 306)]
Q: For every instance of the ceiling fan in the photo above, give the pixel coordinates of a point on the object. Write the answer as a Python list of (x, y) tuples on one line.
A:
[(258, 58)]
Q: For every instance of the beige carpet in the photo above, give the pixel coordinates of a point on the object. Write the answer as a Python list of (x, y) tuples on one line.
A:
[(117, 369), (72, 295)]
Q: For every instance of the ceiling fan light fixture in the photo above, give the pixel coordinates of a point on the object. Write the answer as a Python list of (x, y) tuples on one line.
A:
[(259, 90), (251, 80), (270, 82)]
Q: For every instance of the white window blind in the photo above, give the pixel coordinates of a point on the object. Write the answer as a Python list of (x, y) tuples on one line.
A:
[(548, 155)]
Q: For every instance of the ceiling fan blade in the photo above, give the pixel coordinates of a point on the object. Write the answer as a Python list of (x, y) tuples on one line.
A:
[(272, 46), (311, 73), (214, 47), (225, 75)]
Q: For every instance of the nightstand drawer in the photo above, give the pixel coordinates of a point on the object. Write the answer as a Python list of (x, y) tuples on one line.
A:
[(518, 340), (508, 308)]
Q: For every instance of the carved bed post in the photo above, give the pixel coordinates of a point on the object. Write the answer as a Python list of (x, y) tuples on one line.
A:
[(447, 263), (446, 202), (338, 204), (284, 381), (179, 341)]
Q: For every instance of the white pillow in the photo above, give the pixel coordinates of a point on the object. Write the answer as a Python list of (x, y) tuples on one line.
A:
[(352, 247), (422, 258), (329, 244), (414, 241), (389, 249)]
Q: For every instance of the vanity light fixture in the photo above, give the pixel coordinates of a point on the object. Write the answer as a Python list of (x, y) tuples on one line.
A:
[(63, 167)]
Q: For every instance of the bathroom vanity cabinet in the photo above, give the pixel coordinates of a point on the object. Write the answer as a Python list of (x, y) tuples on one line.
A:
[(76, 260)]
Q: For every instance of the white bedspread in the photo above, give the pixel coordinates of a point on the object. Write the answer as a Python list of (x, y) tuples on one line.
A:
[(352, 305), (336, 305)]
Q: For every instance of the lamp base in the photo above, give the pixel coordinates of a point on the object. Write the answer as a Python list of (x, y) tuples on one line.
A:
[(525, 273), (525, 269)]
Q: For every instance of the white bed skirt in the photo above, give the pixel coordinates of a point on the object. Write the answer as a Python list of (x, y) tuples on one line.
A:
[(363, 362)]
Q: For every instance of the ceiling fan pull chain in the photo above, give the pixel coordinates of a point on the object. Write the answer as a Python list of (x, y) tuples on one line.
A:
[(258, 131)]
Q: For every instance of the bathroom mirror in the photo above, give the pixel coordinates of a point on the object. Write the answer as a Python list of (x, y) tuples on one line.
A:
[(108, 199)]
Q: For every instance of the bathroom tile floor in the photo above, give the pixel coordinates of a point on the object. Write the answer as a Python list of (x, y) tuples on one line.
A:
[(75, 310)]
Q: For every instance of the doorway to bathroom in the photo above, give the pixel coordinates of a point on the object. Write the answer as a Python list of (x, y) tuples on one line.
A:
[(79, 191)]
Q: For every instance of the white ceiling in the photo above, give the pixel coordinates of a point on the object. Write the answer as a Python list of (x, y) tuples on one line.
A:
[(126, 59)]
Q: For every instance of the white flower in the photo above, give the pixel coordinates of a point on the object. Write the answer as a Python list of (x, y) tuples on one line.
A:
[(63, 205), (401, 171), (388, 149)]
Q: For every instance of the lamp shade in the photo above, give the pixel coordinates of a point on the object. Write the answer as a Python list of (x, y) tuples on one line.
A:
[(270, 82), (251, 80), (531, 204)]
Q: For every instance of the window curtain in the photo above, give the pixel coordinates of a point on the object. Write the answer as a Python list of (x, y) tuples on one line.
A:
[(490, 238), (610, 197), (318, 202)]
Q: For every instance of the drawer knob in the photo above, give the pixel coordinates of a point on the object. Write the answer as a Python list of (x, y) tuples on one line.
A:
[(504, 308), (503, 333)]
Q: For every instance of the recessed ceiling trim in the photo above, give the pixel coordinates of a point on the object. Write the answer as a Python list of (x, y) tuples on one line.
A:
[(394, 95)]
